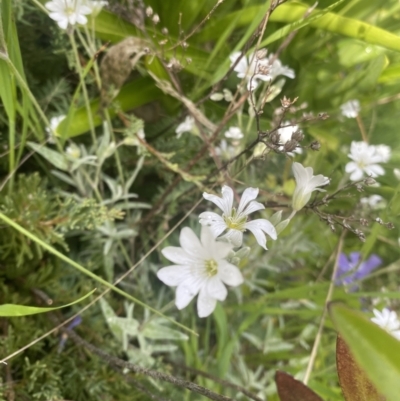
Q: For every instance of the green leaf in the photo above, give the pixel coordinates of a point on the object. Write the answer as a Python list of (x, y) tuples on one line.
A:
[(136, 93), (55, 158), (291, 13), (157, 331), (12, 310), (354, 383), (376, 351)]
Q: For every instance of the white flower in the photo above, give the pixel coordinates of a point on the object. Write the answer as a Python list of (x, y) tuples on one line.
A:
[(351, 108), (306, 183), (235, 221), (95, 5), (54, 123), (234, 133), (365, 160), (68, 12), (278, 69), (200, 268), (253, 69), (73, 151), (388, 321), (185, 126), (372, 201), (224, 150)]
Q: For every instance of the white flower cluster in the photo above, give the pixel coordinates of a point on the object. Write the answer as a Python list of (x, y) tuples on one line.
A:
[(365, 160), (72, 12), (201, 266), (387, 320), (253, 68)]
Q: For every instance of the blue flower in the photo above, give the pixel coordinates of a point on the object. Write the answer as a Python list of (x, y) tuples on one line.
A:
[(352, 268)]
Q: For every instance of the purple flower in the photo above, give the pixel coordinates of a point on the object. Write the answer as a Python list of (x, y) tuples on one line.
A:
[(74, 322), (352, 268)]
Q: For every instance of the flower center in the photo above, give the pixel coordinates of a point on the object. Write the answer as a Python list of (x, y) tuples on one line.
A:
[(235, 221), (211, 267), (69, 11)]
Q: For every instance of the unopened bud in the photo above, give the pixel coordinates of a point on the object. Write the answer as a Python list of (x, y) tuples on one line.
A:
[(369, 181), (315, 145), (364, 222), (275, 138), (185, 45), (262, 53), (298, 136), (359, 188), (379, 220), (290, 145), (323, 116), (156, 19), (389, 226), (164, 31), (188, 60), (149, 11)]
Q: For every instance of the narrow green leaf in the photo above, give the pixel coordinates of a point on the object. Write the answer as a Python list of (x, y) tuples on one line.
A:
[(292, 12), (375, 350), (12, 310), (55, 158)]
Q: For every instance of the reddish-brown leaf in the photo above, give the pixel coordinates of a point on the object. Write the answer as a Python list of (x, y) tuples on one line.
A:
[(290, 389), (353, 381)]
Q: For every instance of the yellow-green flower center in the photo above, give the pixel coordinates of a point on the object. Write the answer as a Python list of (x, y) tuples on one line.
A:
[(235, 221), (211, 267)]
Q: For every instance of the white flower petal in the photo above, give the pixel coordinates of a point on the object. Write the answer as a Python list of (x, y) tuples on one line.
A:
[(173, 275), (177, 255), (230, 274), (205, 304), (186, 291), (252, 207), (235, 237), (227, 196), (248, 195), (264, 225), (190, 243), (216, 289)]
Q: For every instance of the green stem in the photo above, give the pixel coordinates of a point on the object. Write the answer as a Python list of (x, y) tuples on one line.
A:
[(85, 271), (84, 89)]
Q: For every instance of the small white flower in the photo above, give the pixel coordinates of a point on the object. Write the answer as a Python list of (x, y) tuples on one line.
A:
[(225, 151), (365, 160), (253, 69), (73, 151), (95, 5), (68, 12), (351, 108), (234, 133), (185, 126), (373, 201), (200, 268), (235, 221), (52, 129), (306, 183), (388, 321), (278, 69)]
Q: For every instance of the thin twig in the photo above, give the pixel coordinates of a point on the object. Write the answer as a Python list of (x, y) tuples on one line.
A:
[(217, 380)]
